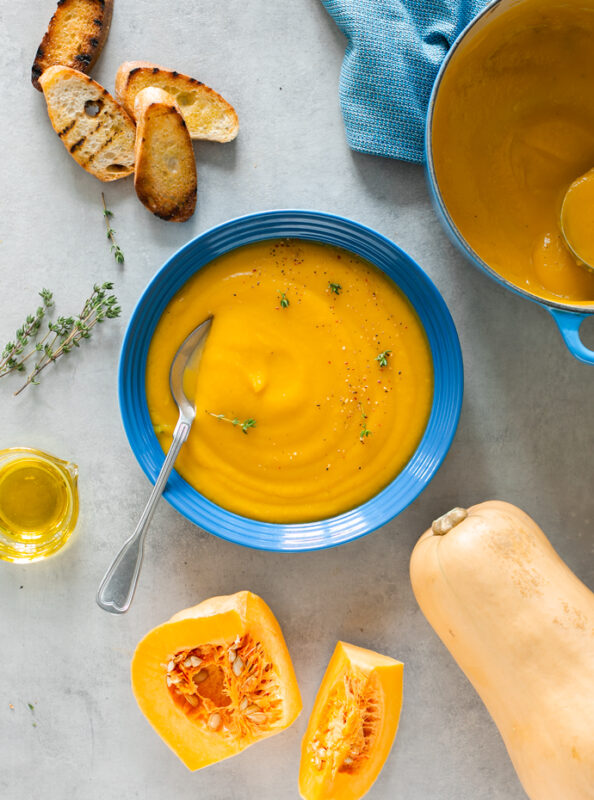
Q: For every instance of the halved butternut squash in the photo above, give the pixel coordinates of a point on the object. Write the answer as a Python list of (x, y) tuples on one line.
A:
[(216, 678), (352, 725)]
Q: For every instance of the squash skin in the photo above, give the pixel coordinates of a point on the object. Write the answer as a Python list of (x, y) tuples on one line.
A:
[(520, 625), (388, 672), (217, 620)]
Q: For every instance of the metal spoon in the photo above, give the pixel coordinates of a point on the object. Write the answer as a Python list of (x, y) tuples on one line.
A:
[(582, 188), (119, 583)]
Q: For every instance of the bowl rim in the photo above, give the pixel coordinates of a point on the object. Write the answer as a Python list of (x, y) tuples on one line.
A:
[(442, 210), (447, 368)]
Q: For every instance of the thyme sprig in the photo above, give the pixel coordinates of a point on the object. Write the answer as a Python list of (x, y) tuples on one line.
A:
[(284, 300), (245, 424), (9, 358), (62, 335), (335, 288), (382, 358), (115, 248)]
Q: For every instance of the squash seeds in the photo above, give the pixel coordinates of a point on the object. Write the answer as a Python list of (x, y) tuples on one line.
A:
[(229, 690)]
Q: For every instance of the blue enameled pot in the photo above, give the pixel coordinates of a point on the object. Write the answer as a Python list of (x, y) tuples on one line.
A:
[(569, 318)]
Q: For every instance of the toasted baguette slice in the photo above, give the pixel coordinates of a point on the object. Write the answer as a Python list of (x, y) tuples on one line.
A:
[(207, 114), (75, 36), (94, 129), (165, 175)]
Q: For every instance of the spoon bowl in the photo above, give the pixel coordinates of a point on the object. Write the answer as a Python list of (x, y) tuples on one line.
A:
[(186, 361), (117, 588)]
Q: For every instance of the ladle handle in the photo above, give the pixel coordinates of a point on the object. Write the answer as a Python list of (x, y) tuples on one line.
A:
[(119, 583)]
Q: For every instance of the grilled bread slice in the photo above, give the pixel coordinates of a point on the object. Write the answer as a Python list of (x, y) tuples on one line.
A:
[(95, 130), (207, 114), (165, 175), (75, 36)]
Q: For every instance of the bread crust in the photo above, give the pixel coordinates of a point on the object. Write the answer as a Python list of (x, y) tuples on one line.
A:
[(170, 195), (93, 127), (133, 76), (87, 39)]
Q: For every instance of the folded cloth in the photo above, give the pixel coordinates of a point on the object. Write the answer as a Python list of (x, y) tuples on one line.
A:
[(395, 48)]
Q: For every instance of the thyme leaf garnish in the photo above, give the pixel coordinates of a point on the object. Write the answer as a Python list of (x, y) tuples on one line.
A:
[(382, 358), (163, 428), (365, 432), (245, 424)]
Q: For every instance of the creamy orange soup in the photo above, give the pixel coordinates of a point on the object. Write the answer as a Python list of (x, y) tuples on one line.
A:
[(314, 387), (513, 128)]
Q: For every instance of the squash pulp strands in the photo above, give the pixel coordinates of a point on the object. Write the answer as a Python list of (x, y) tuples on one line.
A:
[(229, 689), (351, 719), (352, 725), (216, 678)]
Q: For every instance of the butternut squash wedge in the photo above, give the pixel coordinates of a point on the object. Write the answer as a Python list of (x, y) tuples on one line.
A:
[(520, 625), (352, 725), (216, 678)]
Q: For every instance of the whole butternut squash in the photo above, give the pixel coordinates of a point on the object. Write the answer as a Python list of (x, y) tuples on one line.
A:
[(520, 625)]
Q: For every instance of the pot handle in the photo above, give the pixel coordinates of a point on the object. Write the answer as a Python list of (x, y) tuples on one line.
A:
[(569, 323)]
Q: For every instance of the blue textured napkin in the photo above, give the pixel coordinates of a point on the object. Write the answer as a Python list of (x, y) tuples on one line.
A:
[(395, 48)]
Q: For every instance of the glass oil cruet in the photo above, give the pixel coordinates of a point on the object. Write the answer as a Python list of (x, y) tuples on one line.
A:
[(38, 504)]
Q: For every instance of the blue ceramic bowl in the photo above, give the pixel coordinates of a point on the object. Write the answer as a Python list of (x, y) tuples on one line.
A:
[(432, 311), (568, 317)]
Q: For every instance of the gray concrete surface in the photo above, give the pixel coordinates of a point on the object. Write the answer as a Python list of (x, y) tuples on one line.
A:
[(526, 433)]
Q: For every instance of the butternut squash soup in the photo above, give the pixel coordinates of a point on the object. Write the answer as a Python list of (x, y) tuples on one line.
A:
[(513, 128), (315, 384)]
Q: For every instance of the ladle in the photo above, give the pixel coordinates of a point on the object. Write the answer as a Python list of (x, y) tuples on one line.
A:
[(577, 219)]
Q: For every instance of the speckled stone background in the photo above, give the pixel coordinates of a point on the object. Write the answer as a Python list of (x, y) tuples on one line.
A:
[(526, 433)]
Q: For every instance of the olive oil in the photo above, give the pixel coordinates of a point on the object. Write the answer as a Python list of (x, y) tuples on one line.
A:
[(38, 504)]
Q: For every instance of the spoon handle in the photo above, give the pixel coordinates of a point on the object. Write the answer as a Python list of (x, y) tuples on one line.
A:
[(119, 583)]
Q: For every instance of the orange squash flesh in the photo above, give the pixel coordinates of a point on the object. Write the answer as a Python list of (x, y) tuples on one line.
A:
[(352, 725), (216, 678)]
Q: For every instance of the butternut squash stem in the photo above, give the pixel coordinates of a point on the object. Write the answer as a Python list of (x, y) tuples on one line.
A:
[(448, 521)]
